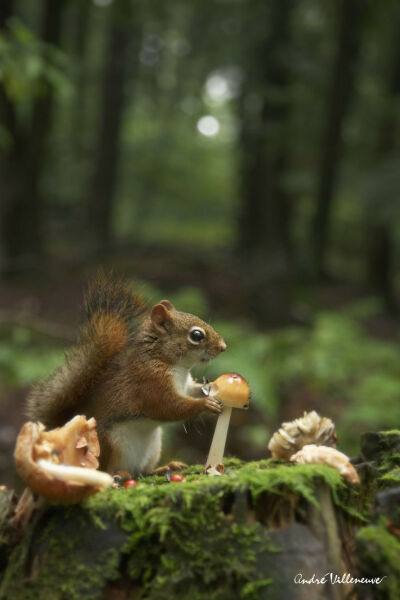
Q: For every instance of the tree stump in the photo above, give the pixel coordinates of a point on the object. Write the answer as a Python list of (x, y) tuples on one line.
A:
[(262, 530)]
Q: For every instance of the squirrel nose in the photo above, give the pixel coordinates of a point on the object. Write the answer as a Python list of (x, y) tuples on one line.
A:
[(222, 346)]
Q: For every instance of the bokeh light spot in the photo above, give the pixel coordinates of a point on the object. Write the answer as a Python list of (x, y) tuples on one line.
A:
[(208, 126)]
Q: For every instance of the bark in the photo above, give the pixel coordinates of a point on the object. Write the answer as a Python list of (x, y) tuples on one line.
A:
[(82, 25), (380, 238), (265, 210), (380, 253), (32, 210), (6, 10), (22, 200), (104, 179), (339, 98), (10, 153)]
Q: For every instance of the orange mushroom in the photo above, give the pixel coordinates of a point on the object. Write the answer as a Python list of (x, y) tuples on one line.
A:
[(234, 392), (61, 464)]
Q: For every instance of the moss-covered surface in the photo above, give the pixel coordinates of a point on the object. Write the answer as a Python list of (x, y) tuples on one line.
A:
[(205, 538), (382, 449), (378, 555), (7, 504), (378, 543)]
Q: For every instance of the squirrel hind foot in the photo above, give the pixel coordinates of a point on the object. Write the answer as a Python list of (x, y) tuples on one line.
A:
[(122, 475)]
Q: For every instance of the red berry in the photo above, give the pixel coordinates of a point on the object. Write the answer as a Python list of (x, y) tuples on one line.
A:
[(130, 483), (177, 477)]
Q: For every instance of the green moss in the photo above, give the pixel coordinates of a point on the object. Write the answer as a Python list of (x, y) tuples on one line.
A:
[(188, 540), (379, 555), (390, 479), (253, 589), (190, 529), (389, 464), (382, 450), (71, 559)]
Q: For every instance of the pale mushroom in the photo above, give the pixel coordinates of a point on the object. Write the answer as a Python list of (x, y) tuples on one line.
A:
[(61, 464), (233, 391), (324, 455), (311, 428)]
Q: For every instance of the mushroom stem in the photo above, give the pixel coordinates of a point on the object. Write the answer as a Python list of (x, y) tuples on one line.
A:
[(76, 474), (216, 453)]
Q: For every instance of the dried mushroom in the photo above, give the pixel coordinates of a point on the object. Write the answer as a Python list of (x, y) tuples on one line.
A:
[(61, 464), (323, 455), (309, 429)]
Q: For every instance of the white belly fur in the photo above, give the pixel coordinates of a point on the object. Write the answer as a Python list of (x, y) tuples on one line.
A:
[(182, 379), (137, 446), (137, 443)]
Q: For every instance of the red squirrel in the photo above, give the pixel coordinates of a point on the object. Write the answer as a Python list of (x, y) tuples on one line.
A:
[(131, 371)]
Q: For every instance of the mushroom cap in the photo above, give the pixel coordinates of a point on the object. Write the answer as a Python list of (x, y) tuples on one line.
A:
[(325, 455), (311, 428), (232, 389), (75, 444)]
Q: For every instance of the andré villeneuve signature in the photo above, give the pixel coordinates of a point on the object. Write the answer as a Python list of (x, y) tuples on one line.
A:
[(334, 578)]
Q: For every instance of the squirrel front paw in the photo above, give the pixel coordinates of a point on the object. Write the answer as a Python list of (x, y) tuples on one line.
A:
[(213, 405)]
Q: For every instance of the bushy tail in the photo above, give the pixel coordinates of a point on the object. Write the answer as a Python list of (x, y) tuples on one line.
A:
[(112, 315)]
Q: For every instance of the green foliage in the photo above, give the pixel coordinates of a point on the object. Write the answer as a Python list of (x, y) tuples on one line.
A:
[(354, 377), (26, 357), (28, 66), (191, 299), (163, 208), (187, 299)]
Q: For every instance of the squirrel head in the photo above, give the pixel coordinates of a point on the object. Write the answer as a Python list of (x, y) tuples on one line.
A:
[(181, 338)]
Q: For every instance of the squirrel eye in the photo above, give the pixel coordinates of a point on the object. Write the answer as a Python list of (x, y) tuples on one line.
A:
[(196, 335)]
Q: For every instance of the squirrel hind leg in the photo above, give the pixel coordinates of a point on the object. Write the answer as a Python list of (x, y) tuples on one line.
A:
[(122, 475)]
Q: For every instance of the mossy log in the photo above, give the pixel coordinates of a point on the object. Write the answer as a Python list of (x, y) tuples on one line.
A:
[(246, 534)]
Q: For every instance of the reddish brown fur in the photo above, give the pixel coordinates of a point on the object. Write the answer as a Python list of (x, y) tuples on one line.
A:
[(121, 368)]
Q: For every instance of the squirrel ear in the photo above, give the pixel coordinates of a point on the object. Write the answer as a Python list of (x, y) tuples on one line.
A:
[(167, 304), (160, 315)]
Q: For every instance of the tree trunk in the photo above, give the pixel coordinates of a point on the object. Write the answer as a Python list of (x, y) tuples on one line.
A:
[(340, 94), (11, 151), (23, 161), (41, 120), (380, 244), (263, 530), (265, 211), (380, 251), (104, 179), (82, 18), (245, 535), (264, 215)]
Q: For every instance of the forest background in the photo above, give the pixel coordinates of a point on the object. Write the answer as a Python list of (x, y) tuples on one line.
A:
[(240, 157)]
